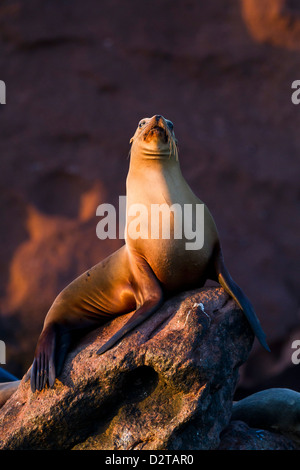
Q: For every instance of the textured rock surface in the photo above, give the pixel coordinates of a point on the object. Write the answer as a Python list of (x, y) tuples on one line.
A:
[(168, 385), (239, 436)]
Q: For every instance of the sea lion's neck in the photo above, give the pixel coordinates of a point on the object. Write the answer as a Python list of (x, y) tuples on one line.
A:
[(152, 171), (156, 181), (159, 160)]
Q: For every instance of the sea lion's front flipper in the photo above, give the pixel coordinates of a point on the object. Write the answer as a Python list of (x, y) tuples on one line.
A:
[(43, 366), (149, 298)]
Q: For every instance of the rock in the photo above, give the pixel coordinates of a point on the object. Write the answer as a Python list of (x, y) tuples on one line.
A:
[(167, 385), (6, 390), (239, 436), (274, 409)]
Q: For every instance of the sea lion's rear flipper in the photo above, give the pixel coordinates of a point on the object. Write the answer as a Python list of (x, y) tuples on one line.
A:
[(43, 366), (149, 298), (226, 281)]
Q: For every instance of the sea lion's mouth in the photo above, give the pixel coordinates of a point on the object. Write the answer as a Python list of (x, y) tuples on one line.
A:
[(156, 131)]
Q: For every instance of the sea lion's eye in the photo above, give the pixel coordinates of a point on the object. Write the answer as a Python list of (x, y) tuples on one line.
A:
[(170, 125), (142, 123)]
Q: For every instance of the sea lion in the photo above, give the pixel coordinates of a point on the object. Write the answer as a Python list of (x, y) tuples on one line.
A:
[(144, 271), (274, 409)]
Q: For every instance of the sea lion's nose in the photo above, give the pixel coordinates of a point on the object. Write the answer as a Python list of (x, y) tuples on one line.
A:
[(158, 117)]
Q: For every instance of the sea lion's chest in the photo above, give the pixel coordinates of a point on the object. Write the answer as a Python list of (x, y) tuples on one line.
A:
[(173, 265), (171, 228)]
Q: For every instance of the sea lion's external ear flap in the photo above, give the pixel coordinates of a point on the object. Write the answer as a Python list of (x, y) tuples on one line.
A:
[(131, 139)]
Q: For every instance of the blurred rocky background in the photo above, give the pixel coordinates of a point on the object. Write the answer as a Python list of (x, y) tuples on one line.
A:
[(79, 77)]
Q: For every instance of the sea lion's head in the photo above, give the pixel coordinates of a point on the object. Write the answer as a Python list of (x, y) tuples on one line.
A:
[(154, 138)]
